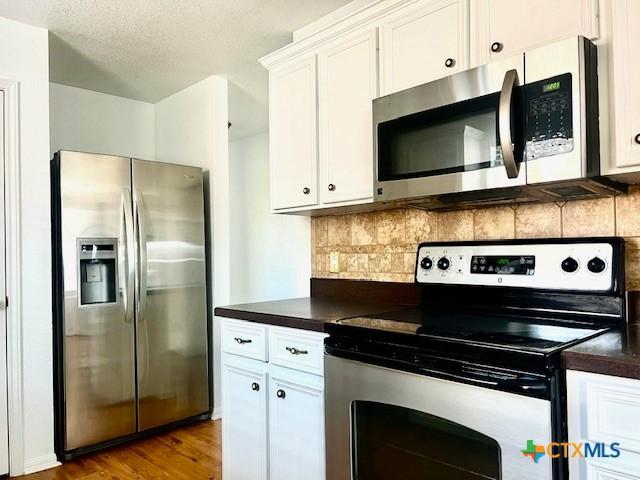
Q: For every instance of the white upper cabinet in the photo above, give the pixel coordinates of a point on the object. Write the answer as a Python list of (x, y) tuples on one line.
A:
[(348, 82), (424, 42), (293, 135), (504, 27), (625, 81)]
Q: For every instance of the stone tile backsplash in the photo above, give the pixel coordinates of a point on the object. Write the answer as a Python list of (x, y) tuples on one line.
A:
[(382, 245)]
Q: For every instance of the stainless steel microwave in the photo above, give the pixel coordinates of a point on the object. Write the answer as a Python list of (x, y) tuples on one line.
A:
[(523, 128)]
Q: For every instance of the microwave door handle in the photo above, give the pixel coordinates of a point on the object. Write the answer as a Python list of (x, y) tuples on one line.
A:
[(504, 124)]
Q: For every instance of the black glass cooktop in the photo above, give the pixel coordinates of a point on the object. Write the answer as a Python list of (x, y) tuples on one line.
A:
[(513, 332)]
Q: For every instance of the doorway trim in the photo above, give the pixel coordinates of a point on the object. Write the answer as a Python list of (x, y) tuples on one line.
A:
[(13, 311)]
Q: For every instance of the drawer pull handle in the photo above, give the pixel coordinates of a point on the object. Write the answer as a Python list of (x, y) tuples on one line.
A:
[(255, 387), (637, 139), (281, 394), (242, 341), (295, 351)]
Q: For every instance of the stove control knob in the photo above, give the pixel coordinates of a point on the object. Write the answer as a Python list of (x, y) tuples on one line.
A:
[(569, 265), (426, 263), (444, 263), (596, 265)]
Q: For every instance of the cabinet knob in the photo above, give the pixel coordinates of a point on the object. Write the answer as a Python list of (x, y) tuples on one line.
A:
[(306, 190), (637, 139), (332, 187), (281, 394), (449, 63), (255, 387), (496, 47)]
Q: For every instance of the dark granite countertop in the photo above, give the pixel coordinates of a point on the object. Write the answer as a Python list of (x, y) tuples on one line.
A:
[(614, 353), (308, 313)]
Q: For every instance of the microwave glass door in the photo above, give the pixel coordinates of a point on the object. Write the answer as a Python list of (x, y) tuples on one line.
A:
[(459, 134), (455, 138), (392, 442)]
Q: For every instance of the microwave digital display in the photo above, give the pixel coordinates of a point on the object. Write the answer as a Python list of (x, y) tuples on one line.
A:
[(549, 87)]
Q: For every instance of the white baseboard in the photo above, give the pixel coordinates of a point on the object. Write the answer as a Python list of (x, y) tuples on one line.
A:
[(43, 462), (217, 413)]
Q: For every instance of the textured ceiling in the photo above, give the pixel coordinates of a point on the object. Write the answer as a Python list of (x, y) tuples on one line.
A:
[(149, 49)]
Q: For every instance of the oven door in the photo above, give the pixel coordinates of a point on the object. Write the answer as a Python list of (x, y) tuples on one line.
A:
[(383, 424), (462, 133)]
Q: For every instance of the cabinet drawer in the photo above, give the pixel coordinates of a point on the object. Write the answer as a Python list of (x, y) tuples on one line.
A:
[(297, 349), (245, 339)]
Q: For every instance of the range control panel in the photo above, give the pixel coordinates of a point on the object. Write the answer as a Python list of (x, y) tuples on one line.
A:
[(561, 266)]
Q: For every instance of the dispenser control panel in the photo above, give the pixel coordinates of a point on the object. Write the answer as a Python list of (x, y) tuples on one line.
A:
[(97, 271)]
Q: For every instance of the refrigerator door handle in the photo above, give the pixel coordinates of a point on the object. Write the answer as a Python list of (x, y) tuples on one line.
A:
[(141, 249), (129, 256)]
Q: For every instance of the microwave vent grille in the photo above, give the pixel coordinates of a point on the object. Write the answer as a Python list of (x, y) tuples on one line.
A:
[(571, 191)]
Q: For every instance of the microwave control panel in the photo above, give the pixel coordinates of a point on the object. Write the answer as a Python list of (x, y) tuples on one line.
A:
[(549, 114)]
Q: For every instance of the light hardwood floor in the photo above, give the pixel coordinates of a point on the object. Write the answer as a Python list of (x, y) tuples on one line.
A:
[(188, 453)]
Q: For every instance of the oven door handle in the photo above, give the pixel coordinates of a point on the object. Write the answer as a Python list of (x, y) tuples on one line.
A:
[(511, 164)]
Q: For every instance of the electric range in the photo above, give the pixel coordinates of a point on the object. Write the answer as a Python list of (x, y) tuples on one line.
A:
[(474, 368)]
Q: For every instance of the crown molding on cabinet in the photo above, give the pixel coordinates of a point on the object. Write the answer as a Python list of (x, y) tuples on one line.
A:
[(361, 18)]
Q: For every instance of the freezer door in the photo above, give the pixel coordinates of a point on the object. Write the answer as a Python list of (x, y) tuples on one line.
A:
[(96, 224), (171, 284)]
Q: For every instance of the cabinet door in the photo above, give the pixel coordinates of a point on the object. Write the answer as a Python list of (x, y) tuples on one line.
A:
[(296, 426), (347, 85), (428, 41), (293, 132), (244, 428), (595, 471), (500, 28), (625, 16)]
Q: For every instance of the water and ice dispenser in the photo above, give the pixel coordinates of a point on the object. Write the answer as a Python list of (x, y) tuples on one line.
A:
[(97, 275)]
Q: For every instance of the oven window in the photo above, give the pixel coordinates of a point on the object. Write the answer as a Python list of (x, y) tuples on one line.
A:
[(455, 138), (393, 442)]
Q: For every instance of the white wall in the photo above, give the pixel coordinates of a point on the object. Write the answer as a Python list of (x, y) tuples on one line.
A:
[(24, 57), (191, 129), (270, 256), (88, 121)]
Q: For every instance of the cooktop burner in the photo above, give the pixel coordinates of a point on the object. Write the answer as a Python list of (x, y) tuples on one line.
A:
[(537, 334)]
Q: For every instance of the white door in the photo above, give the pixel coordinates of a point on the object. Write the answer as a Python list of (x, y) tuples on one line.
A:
[(423, 43), (293, 135), (626, 78), (244, 426), (296, 426), (348, 82), (4, 430), (500, 28)]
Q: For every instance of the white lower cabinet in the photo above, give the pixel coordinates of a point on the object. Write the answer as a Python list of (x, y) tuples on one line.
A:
[(273, 416), (604, 409), (296, 426), (244, 426)]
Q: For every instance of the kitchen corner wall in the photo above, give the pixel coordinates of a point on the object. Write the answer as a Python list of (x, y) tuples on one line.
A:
[(24, 54), (382, 245)]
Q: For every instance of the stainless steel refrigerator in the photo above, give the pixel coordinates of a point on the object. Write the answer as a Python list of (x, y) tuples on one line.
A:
[(131, 329)]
